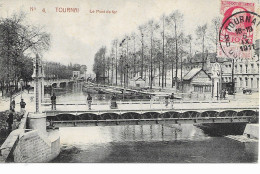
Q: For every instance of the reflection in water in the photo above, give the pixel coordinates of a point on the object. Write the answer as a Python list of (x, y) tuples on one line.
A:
[(147, 143)]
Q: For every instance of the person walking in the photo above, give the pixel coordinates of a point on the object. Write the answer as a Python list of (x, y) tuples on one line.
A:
[(53, 102), (224, 94), (113, 102), (22, 105), (10, 120), (89, 100), (171, 100), (166, 101), (12, 105)]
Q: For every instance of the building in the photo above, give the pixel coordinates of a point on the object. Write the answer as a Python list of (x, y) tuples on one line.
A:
[(76, 74), (245, 73), (137, 82), (168, 80), (197, 80)]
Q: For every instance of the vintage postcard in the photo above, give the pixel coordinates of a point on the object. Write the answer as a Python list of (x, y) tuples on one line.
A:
[(129, 81)]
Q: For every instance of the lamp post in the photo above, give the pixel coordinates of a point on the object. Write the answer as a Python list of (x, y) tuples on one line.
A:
[(37, 120), (21, 86)]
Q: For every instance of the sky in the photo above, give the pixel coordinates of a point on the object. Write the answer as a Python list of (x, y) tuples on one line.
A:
[(76, 37)]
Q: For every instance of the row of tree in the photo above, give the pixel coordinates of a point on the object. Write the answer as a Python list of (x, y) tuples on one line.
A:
[(19, 42), (56, 70), (157, 46)]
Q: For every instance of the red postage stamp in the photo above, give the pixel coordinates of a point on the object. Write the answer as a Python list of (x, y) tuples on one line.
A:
[(226, 5), (236, 35), (238, 26)]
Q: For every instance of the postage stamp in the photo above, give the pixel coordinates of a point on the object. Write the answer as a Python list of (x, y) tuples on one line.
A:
[(230, 5), (239, 24)]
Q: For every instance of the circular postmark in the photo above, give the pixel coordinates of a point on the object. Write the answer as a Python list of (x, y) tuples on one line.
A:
[(237, 32)]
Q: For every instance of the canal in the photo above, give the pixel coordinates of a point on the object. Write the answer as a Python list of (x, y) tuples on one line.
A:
[(146, 143)]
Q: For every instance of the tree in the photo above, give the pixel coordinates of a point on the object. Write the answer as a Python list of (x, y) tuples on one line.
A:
[(141, 30), (201, 34), (99, 66), (17, 41), (189, 39), (115, 45), (151, 26), (175, 20), (216, 22)]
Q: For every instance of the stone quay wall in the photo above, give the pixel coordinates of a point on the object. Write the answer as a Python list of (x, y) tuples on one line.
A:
[(36, 147), (30, 146)]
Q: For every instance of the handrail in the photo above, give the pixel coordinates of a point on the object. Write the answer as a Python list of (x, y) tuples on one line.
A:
[(138, 102)]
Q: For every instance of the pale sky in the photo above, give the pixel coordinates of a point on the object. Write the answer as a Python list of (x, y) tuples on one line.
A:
[(75, 37)]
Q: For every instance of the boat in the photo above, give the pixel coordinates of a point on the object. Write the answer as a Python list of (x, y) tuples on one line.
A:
[(90, 88)]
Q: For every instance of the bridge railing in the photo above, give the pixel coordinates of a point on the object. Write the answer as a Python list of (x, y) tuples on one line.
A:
[(136, 101), (149, 117)]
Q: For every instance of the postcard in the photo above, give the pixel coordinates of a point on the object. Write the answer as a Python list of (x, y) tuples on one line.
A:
[(129, 81)]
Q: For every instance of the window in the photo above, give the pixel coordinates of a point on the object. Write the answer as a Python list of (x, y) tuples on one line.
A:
[(235, 68), (241, 82), (207, 89), (252, 84), (257, 84), (246, 81), (246, 68), (240, 68)]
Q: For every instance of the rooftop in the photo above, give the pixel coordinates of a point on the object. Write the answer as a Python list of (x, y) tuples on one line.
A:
[(192, 73)]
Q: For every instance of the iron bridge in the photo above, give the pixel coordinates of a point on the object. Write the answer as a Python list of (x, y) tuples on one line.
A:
[(143, 117)]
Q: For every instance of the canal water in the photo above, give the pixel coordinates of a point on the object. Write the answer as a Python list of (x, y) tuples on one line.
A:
[(147, 143)]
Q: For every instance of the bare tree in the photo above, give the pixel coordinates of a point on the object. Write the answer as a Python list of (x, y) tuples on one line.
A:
[(163, 40), (201, 34), (189, 39), (216, 22), (115, 45), (175, 20), (141, 30), (152, 26)]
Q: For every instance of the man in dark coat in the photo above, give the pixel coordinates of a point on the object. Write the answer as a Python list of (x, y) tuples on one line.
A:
[(113, 102), (166, 101), (89, 100), (22, 105), (171, 100), (224, 94), (12, 105), (10, 120), (53, 102)]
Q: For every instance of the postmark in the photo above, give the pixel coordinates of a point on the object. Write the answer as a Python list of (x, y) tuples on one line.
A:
[(236, 35)]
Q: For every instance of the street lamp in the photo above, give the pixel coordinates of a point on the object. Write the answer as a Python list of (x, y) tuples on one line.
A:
[(21, 85)]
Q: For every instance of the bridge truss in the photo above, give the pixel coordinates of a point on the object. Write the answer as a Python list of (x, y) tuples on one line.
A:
[(112, 118)]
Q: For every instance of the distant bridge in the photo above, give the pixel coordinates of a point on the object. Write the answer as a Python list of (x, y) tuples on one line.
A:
[(110, 117), (60, 82)]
